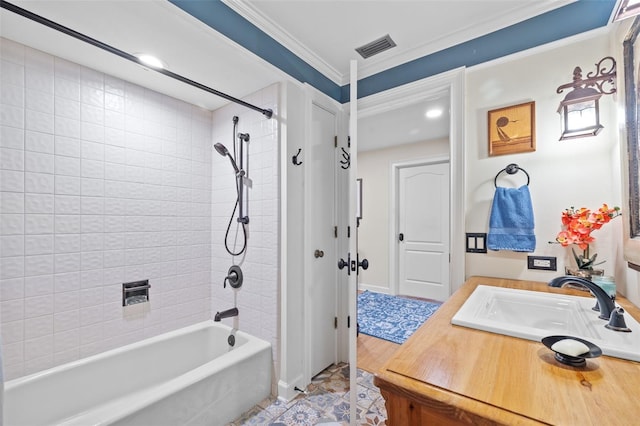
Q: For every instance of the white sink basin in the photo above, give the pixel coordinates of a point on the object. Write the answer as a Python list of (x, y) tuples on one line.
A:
[(533, 315)]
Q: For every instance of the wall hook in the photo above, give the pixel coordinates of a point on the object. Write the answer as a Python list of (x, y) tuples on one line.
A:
[(294, 159), (346, 159)]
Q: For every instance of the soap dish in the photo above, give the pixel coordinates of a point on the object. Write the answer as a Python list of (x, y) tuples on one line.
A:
[(570, 359)]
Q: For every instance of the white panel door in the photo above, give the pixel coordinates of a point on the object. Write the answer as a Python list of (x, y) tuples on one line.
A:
[(321, 247), (423, 224)]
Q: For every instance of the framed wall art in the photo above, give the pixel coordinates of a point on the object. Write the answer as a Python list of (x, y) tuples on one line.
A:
[(512, 129)]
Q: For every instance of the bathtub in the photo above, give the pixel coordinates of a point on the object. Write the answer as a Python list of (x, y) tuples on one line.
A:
[(189, 376)]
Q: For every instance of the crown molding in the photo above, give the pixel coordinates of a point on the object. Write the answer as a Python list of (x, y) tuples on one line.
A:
[(254, 16), (374, 66)]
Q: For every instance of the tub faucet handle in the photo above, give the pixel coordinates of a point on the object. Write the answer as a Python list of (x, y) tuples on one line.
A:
[(234, 277)]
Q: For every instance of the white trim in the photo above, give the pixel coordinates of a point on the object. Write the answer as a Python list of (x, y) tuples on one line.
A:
[(314, 97), (283, 388), (353, 243), (457, 174), (394, 177), (287, 391), (342, 194), (257, 18), (452, 81), (428, 88), (373, 288), (291, 130)]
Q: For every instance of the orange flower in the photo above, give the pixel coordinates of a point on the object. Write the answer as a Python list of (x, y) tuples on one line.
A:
[(578, 226)]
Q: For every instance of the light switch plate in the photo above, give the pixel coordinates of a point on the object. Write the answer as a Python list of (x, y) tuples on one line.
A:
[(476, 242)]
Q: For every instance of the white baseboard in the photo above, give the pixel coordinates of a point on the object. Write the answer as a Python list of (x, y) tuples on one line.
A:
[(287, 391), (374, 288)]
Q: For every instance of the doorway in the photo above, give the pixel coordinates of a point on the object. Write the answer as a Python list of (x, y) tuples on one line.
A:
[(448, 86)]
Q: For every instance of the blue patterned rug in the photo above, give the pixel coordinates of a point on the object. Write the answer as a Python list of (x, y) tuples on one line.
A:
[(392, 318)]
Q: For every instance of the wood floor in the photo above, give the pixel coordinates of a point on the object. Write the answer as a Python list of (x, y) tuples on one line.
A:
[(374, 352)]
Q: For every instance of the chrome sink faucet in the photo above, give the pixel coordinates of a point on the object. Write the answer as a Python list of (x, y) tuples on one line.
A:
[(604, 301)]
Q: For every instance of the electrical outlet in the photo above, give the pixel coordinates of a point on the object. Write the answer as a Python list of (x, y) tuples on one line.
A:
[(545, 263)]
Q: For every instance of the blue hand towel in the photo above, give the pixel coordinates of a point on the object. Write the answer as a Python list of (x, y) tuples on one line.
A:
[(511, 221)]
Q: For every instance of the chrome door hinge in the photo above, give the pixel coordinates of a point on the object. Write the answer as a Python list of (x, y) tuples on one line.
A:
[(335, 322), (335, 232), (348, 231), (349, 321), (335, 141)]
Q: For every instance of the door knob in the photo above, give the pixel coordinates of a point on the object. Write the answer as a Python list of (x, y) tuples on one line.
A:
[(318, 253), (364, 264), (342, 263)]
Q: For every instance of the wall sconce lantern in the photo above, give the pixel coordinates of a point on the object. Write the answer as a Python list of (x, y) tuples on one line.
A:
[(579, 110)]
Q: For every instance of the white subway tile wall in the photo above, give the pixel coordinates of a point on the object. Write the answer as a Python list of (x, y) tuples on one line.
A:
[(101, 182), (258, 298)]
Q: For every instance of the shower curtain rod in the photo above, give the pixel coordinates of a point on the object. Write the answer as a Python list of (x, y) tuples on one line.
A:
[(68, 31)]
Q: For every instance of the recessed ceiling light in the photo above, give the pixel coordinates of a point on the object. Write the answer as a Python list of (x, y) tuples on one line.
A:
[(150, 60), (433, 113)]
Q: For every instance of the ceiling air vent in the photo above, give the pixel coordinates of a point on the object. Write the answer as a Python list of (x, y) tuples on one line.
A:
[(376, 46)]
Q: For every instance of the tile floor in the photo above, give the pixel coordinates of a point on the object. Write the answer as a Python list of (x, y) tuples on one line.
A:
[(326, 401)]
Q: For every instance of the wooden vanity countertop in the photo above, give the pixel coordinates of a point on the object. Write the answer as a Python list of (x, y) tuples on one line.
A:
[(465, 376)]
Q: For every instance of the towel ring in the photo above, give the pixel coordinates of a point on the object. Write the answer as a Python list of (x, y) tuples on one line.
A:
[(511, 169)]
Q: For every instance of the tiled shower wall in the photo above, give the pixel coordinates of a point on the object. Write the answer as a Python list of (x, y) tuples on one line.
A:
[(258, 300), (102, 182)]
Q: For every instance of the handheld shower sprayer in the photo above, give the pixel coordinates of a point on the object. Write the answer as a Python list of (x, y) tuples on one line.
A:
[(222, 150)]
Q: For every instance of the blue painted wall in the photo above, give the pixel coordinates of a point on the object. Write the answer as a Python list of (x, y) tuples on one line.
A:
[(575, 18)]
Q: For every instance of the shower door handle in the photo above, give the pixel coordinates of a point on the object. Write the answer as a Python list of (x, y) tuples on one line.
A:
[(318, 253)]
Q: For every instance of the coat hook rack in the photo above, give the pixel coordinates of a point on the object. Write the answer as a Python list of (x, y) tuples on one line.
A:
[(511, 169), (294, 159)]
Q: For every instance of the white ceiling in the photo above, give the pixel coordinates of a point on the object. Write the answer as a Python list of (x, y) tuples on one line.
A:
[(322, 32)]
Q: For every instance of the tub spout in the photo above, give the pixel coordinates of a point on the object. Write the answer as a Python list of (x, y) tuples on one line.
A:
[(604, 301), (233, 312)]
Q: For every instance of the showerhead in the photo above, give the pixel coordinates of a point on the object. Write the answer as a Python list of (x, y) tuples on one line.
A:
[(222, 150)]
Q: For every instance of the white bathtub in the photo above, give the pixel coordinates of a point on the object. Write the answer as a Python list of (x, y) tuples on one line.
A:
[(188, 376)]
